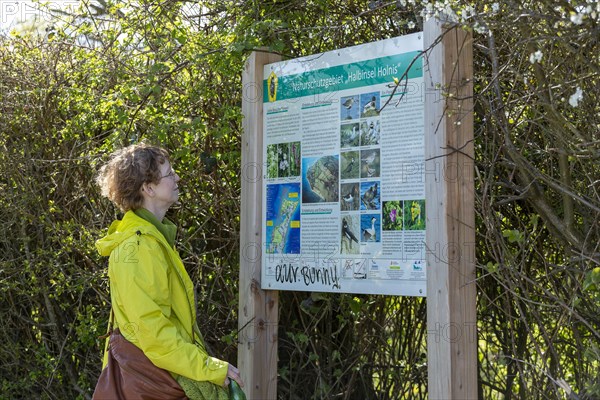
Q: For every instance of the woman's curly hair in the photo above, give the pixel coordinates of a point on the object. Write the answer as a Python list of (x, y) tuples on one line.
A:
[(122, 177)]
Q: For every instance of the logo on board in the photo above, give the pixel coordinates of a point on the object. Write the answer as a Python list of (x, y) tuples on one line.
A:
[(272, 83)]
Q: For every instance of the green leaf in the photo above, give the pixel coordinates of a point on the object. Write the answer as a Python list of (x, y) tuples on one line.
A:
[(513, 235)]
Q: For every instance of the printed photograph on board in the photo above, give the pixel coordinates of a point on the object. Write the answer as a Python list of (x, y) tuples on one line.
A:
[(392, 213), (414, 215), (272, 161), (369, 195), (349, 135), (350, 165), (295, 159), (370, 228), (283, 160), (369, 105), (370, 163), (349, 108), (320, 179), (369, 132), (350, 242), (350, 199)]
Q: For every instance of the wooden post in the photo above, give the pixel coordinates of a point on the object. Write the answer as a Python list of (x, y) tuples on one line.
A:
[(449, 167), (258, 309)]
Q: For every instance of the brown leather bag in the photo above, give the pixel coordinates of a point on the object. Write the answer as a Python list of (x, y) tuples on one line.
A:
[(130, 375)]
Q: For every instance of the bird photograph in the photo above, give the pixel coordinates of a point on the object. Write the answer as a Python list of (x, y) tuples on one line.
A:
[(369, 132), (350, 200), (349, 107), (369, 226), (369, 196), (350, 243), (369, 104), (350, 165), (370, 163), (349, 135)]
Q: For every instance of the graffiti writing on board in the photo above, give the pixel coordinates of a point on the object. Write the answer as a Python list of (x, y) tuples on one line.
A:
[(311, 275)]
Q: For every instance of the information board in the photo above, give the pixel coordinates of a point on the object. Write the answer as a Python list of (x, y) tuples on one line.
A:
[(344, 181)]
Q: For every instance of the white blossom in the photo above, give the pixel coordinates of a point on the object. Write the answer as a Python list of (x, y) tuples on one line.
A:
[(576, 97), (495, 7), (427, 12), (449, 13), (583, 10), (481, 29), (536, 57), (411, 25), (469, 12), (577, 18)]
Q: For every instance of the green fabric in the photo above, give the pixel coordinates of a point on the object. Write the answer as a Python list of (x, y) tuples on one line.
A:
[(202, 390), (166, 227), (152, 297)]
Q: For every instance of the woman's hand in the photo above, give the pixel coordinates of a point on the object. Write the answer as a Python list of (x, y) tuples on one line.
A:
[(233, 373)]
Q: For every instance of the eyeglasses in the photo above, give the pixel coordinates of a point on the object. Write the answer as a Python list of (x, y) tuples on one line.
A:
[(171, 174)]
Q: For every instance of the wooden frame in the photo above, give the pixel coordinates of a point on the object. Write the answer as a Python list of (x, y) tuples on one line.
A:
[(449, 188), (451, 287), (258, 309)]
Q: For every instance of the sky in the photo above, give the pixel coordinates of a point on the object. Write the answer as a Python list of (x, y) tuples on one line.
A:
[(14, 12)]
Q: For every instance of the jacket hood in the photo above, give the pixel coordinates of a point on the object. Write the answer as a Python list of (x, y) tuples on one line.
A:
[(121, 230)]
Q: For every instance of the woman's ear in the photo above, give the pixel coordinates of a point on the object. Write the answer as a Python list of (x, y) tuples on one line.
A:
[(147, 190)]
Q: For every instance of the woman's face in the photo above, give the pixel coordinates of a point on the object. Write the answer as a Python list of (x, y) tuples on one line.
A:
[(167, 188)]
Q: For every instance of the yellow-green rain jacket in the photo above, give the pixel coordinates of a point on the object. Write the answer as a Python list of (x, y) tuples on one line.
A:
[(152, 298)]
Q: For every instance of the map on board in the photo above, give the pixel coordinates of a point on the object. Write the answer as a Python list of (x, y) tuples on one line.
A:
[(283, 218)]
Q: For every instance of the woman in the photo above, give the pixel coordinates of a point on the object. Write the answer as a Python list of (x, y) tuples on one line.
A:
[(151, 293)]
